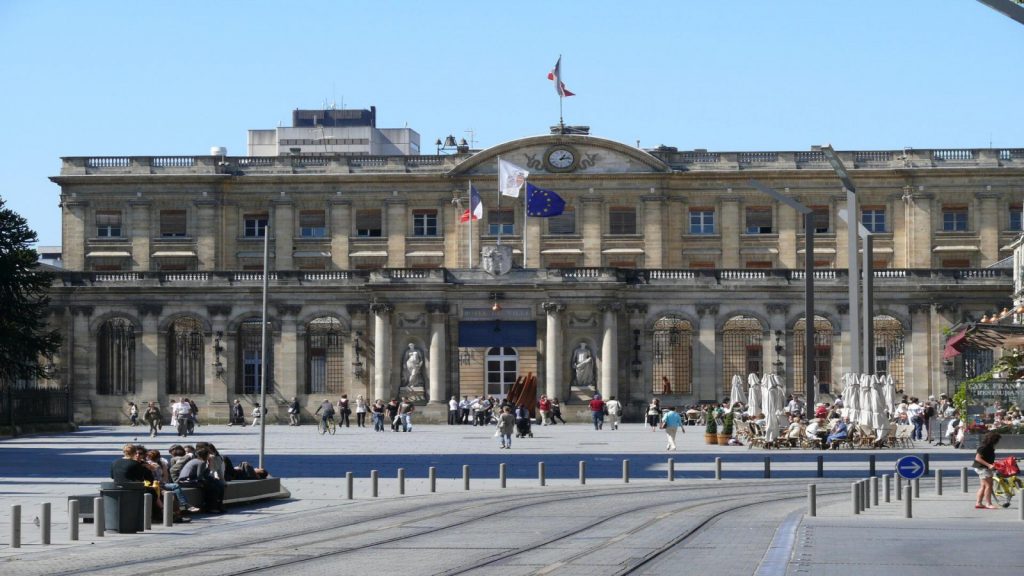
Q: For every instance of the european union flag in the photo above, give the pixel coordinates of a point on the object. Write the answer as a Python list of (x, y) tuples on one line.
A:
[(543, 203)]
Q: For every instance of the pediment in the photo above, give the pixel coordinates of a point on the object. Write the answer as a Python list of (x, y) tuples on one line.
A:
[(592, 156)]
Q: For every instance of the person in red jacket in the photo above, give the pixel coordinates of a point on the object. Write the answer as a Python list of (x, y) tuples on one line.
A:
[(597, 411), (544, 406)]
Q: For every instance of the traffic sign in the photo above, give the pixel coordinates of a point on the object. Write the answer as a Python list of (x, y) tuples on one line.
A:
[(910, 467)]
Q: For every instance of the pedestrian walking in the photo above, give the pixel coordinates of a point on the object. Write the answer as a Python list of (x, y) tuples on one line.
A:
[(671, 423), (614, 409), (506, 424), (133, 414), (154, 418), (597, 410), (405, 410), (544, 407), (344, 411), (985, 465), (377, 411), (257, 414), (653, 414), (293, 412), (361, 411), (464, 408), (453, 411), (556, 411)]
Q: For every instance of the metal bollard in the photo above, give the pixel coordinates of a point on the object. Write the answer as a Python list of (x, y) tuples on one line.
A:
[(767, 466), (373, 483), (855, 498), (73, 520), (147, 511), (15, 526), (401, 481), (871, 465), (963, 480), (917, 487), (1020, 508), (671, 470), (927, 463), (821, 466), (541, 476), (583, 472), (938, 481), (874, 490), (169, 509), (812, 500), (899, 487), (718, 468), (99, 517), (908, 506), (349, 485), (44, 523), (865, 496), (432, 478), (625, 471), (465, 476), (502, 474), (887, 488)]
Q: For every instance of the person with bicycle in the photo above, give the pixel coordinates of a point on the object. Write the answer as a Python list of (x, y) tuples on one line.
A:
[(984, 465), (327, 417)]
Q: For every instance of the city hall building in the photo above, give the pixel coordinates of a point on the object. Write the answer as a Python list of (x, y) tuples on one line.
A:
[(667, 271)]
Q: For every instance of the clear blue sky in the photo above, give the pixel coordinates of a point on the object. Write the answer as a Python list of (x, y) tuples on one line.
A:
[(90, 78)]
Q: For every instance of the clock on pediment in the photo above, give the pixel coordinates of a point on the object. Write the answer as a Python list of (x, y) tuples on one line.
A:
[(561, 158)]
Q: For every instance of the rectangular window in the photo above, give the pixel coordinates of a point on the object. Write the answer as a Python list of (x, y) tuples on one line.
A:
[(108, 224), (369, 223), (621, 220), (1015, 218), (702, 220), (312, 224), (255, 225), (759, 220), (172, 223), (954, 218), (821, 223), (564, 223), (501, 221), (873, 219), (424, 222)]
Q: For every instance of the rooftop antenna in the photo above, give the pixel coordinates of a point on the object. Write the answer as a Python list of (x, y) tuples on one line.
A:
[(472, 137)]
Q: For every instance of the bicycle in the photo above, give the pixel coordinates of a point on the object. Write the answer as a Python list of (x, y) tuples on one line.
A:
[(1005, 483), (327, 425)]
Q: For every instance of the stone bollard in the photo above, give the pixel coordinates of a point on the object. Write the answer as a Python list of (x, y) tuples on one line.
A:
[(373, 483), (812, 500), (718, 468), (541, 475), (432, 478), (147, 511), (169, 509), (887, 487), (871, 465), (917, 487), (15, 526), (671, 470), (908, 506), (625, 471), (874, 490), (99, 517), (767, 466), (855, 498), (465, 476), (401, 481), (821, 466), (938, 481), (73, 520), (349, 486), (44, 523), (502, 474), (963, 480), (583, 472)]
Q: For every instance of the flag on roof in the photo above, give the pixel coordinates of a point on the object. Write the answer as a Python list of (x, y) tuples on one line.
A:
[(543, 203), (511, 178), (556, 75), (476, 206)]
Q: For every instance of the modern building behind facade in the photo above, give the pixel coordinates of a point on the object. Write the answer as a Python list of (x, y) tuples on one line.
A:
[(334, 131), (667, 267)]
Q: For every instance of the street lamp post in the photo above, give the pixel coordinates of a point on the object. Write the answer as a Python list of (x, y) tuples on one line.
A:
[(854, 271), (869, 292)]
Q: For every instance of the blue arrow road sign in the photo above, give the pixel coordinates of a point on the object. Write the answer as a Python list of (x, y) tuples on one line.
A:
[(910, 467)]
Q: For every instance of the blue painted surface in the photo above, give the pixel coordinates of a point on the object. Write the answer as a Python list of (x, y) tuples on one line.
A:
[(910, 467)]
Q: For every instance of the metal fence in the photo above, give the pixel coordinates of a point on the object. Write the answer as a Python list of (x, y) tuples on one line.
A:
[(34, 406)]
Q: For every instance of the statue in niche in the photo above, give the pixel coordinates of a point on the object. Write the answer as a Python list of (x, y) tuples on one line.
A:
[(412, 367), (583, 369)]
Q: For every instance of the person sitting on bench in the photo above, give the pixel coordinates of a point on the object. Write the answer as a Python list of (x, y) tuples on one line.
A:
[(197, 474)]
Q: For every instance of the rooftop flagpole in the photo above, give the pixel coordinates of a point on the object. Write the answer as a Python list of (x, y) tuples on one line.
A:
[(498, 207), (471, 224)]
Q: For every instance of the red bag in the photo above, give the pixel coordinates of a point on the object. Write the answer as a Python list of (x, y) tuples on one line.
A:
[(1007, 466)]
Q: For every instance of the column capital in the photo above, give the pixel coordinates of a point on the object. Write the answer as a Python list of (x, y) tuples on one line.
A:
[(380, 308), (552, 307), (636, 308), (782, 309), (610, 306), (288, 309), (438, 307), (704, 309), (79, 310), (218, 310), (150, 309), (843, 308)]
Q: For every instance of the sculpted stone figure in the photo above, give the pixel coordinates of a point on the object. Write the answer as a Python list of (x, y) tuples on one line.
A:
[(412, 367), (583, 366)]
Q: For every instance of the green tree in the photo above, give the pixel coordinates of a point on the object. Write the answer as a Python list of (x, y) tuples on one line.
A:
[(24, 302)]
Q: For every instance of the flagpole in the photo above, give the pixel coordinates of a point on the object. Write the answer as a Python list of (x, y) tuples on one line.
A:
[(526, 193), (498, 207), (471, 214)]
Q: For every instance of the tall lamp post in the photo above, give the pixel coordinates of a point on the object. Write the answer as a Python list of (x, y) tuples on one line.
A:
[(263, 345), (854, 270), (869, 292), (809, 350)]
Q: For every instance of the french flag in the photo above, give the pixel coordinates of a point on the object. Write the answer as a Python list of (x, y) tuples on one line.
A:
[(476, 207), (556, 76)]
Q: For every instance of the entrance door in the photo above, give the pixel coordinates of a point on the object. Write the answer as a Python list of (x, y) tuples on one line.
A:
[(502, 366)]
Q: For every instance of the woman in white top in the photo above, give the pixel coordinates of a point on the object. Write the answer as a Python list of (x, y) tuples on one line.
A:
[(360, 411)]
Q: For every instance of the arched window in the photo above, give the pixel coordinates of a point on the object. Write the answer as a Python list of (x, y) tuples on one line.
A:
[(325, 360), (673, 357), (742, 338), (822, 355), (185, 354), (250, 361), (115, 358), (889, 349), (502, 364)]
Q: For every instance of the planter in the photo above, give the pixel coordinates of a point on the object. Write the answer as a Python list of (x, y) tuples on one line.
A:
[(710, 438), (723, 439)]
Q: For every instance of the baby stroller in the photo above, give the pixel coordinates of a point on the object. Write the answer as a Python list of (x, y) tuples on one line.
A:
[(523, 423)]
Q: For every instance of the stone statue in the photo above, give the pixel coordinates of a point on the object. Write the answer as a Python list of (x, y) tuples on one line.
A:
[(412, 367), (583, 366), (496, 260)]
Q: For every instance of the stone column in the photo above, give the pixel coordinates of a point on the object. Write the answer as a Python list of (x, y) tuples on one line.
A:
[(205, 234), (290, 379), (74, 235), (592, 224), (610, 350), (82, 377), (654, 214), (217, 384), (987, 220), (341, 230), (705, 379), (438, 352), (381, 350), (730, 230), (147, 354), (140, 233), (553, 385), (920, 332), (395, 226), (283, 233)]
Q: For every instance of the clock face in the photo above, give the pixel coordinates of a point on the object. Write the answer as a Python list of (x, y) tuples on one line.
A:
[(561, 158)]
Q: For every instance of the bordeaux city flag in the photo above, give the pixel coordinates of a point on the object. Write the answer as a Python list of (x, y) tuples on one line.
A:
[(476, 207), (543, 203)]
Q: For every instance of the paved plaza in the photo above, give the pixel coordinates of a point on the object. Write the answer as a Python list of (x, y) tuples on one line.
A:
[(778, 539)]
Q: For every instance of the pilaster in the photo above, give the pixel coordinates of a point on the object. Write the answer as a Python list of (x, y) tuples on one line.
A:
[(289, 380), (206, 234), (553, 380), (654, 218), (920, 330), (381, 350), (438, 352), (706, 377), (731, 229), (147, 353), (987, 223), (140, 234), (397, 221), (592, 224), (610, 349), (283, 233), (73, 234), (341, 230)]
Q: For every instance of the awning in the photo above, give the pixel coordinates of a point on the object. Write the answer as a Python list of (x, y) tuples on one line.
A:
[(370, 254), (985, 336), (759, 250), (253, 254), (623, 251), (562, 251), (955, 249), (311, 254), (118, 254), (955, 345), (875, 250), (818, 250), (173, 254), (425, 254)]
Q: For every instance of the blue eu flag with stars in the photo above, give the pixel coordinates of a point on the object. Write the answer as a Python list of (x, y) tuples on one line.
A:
[(543, 203)]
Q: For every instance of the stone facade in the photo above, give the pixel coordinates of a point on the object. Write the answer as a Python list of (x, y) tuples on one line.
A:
[(668, 265)]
